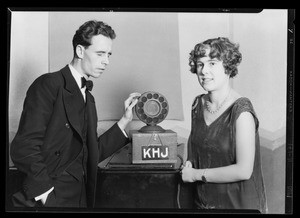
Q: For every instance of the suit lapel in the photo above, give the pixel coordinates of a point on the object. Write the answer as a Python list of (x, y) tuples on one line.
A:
[(72, 99)]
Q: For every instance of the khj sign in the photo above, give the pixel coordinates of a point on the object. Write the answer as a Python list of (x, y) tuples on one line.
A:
[(155, 152)]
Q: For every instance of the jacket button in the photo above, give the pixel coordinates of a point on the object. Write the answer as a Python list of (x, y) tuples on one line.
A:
[(67, 125), (57, 153)]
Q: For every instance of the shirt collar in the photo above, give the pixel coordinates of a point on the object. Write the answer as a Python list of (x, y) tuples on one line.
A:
[(77, 76)]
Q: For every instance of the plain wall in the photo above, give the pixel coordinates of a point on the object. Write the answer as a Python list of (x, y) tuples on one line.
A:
[(262, 39), (28, 60), (262, 76), (145, 57)]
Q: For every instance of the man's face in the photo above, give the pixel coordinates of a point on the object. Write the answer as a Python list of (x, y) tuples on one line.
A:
[(95, 57)]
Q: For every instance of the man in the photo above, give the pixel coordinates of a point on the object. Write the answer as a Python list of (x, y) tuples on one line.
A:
[(56, 145)]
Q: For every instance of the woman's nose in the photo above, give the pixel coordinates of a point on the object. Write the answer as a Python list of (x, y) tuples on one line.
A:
[(204, 69)]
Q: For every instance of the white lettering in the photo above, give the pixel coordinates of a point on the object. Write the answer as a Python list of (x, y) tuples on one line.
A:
[(155, 151), (146, 153), (166, 154)]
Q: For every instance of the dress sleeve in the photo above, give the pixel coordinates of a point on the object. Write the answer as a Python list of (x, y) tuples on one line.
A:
[(245, 105)]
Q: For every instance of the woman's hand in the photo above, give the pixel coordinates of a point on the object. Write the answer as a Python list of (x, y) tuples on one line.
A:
[(188, 173)]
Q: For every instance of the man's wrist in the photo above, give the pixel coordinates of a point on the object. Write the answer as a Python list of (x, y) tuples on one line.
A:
[(122, 123)]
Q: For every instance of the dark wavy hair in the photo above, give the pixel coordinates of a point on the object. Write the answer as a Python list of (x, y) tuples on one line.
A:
[(89, 29), (220, 48)]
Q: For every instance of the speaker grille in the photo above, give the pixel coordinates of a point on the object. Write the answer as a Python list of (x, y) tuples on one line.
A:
[(152, 108)]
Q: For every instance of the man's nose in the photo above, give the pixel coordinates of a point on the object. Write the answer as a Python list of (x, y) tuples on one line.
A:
[(105, 60)]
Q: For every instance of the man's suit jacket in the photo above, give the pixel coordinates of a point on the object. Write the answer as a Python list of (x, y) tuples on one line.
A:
[(49, 137)]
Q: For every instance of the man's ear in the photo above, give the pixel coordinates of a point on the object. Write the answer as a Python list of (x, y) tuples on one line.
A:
[(79, 51)]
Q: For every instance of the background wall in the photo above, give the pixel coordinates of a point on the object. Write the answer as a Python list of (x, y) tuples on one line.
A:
[(262, 74), (29, 58), (145, 57)]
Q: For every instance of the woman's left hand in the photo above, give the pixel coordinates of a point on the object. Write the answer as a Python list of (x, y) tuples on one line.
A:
[(188, 174)]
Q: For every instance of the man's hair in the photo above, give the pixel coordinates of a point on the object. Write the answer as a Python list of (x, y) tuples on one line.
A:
[(89, 29), (220, 48)]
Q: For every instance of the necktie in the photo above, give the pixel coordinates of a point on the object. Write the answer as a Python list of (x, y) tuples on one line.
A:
[(87, 83)]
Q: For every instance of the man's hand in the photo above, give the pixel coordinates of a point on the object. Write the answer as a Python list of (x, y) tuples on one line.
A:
[(129, 103)]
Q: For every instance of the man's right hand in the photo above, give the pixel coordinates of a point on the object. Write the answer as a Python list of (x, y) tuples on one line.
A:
[(129, 103)]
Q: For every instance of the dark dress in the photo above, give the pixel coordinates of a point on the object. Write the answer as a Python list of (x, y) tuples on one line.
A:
[(214, 146)]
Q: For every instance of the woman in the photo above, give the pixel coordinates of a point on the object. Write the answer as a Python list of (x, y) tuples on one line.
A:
[(224, 148)]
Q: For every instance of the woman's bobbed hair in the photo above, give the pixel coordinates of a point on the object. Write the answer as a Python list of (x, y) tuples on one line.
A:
[(220, 48)]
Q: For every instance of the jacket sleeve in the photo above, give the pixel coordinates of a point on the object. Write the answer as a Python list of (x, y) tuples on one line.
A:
[(27, 146), (111, 141)]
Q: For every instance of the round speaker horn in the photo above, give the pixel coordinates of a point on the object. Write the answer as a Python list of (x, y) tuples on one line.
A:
[(152, 108)]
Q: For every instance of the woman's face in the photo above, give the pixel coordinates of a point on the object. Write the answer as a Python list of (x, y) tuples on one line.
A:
[(211, 73)]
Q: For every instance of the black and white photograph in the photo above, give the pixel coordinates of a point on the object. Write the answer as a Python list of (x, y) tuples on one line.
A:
[(150, 111)]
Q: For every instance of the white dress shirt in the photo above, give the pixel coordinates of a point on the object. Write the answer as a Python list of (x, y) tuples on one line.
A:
[(77, 76)]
